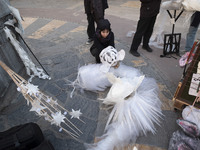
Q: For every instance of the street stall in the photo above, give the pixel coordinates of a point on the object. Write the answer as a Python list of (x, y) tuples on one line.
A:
[(187, 95), (189, 85)]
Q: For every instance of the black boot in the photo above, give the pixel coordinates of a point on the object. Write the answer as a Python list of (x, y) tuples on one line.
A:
[(135, 53), (147, 48)]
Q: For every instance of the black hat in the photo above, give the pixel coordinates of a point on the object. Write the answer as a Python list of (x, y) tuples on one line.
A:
[(103, 24)]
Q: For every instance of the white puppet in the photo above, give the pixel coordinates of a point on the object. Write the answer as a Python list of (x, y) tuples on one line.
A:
[(136, 106), (92, 77)]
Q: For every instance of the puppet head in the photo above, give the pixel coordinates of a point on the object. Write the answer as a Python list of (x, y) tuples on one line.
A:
[(109, 56)]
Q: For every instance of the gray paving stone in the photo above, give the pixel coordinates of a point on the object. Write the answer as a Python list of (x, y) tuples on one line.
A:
[(37, 45), (62, 84), (88, 58), (36, 25), (15, 105), (21, 116), (39, 82), (63, 73), (62, 96), (88, 129), (10, 97), (88, 94), (55, 34), (2, 126), (103, 117), (75, 145), (58, 143), (89, 108), (69, 61), (51, 89), (71, 78)]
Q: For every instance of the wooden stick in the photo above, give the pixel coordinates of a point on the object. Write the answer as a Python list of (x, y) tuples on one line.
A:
[(21, 83)]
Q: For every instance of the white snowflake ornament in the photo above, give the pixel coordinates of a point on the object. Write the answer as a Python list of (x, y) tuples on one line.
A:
[(37, 107), (58, 118), (75, 114), (31, 89)]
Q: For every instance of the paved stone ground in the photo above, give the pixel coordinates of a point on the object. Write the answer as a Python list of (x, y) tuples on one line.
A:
[(56, 33)]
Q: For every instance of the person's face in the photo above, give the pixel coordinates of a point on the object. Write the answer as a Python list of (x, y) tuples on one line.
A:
[(104, 33)]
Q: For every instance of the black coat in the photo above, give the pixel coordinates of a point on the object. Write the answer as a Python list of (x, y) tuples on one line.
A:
[(149, 8), (100, 44), (96, 7)]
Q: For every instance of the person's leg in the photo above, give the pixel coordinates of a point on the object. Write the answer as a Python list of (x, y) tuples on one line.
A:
[(141, 28), (138, 36), (149, 31), (190, 38), (140, 31), (95, 52), (91, 26)]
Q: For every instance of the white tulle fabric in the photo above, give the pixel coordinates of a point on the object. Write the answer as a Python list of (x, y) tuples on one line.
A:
[(131, 117), (136, 106), (90, 77)]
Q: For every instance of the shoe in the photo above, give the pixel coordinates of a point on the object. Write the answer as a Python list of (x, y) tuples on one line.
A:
[(89, 41), (135, 53), (183, 59), (147, 48)]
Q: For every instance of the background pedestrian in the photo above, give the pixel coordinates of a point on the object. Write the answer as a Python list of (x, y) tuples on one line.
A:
[(148, 13), (95, 10), (195, 20)]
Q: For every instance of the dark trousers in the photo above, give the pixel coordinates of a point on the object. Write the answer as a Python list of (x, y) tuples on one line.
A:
[(95, 52), (91, 26), (144, 30)]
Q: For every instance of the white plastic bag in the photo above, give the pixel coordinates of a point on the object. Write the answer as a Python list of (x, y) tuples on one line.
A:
[(191, 5)]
